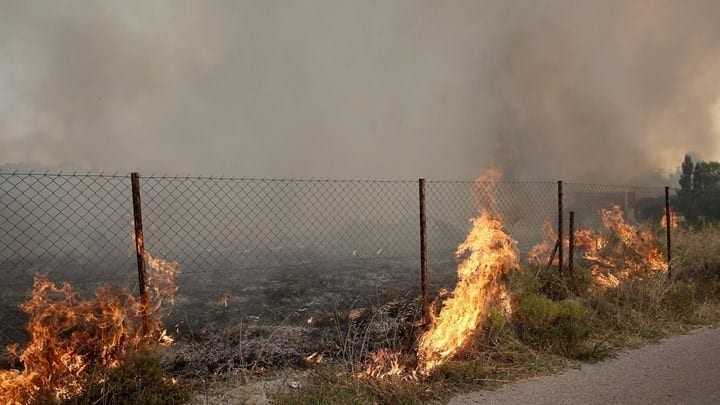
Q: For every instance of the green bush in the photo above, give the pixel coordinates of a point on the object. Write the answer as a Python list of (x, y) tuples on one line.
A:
[(558, 326), (550, 283)]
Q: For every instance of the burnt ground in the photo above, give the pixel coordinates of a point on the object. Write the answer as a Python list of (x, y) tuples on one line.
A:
[(337, 310), (276, 316)]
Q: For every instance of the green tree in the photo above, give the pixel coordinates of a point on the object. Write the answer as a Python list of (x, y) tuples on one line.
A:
[(699, 197), (684, 195)]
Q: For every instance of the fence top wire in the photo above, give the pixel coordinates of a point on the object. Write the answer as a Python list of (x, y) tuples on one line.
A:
[(277, 180), (503, 181), (48, 173), (31, 173), (615, 186)]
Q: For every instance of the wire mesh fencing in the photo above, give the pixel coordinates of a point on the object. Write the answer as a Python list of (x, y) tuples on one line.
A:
[(270, 250), (639, 204), (523, 206), (74, 228), (280, 250)]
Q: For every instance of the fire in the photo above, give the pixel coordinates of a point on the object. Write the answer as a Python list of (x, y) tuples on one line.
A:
[(223, 300), (673, 220), (487, 254), (72, 338), (386, 363), (627, 251), (540, 254)]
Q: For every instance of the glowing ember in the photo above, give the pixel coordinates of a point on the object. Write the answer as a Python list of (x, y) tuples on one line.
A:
[(72, 339)]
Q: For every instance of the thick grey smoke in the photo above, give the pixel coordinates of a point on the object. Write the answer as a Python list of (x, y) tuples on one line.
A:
[(606, 90)]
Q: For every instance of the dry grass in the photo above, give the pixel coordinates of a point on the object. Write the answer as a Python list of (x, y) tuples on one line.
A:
[(139, 380), (552, 326), (556, 322)]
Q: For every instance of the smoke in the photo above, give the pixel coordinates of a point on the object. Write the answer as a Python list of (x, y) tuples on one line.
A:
[(606, 90), (601, 91)]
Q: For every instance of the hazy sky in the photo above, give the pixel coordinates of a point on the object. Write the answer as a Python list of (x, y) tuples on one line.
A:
[(586, 90)]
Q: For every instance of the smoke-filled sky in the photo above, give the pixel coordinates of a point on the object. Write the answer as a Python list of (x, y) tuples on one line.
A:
[(607, 91)]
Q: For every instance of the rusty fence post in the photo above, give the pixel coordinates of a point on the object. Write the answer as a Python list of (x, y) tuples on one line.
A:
[(668, 227), (560, 224), (139, 245), (423, 250), (571, 246)]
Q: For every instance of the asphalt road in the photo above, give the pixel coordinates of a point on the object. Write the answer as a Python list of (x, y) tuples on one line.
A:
[(679, 370)]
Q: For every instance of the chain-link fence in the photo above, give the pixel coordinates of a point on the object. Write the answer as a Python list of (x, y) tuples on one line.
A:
[(278, 250), (266, 249), (75, 228), (524, 207)]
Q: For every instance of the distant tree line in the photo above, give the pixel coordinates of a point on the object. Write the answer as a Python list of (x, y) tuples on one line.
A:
[(697, 200)]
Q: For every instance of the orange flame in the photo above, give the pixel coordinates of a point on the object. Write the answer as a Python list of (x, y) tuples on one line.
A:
[(487, 254), (69, 335), (673, 219), (540, 254), (386, 363), (627, 251)]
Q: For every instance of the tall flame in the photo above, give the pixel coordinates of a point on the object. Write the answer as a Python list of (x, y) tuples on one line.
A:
[(486, 255), (69, 335)]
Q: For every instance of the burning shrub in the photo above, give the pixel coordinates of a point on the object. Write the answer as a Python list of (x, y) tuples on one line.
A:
[(623, 252), (70, 336)]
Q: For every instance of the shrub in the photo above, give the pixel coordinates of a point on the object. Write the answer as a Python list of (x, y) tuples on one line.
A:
[(550, 282), (558, 326)]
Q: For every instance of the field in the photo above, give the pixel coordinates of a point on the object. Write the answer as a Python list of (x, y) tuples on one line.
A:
[(320, 280)]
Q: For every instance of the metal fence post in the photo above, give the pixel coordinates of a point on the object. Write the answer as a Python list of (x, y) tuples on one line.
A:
[(560, 225), (423, 250), (139, 245), (668, 226), (571, 246)]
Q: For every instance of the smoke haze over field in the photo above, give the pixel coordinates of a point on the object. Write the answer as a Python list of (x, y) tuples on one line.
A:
[(599, 91)]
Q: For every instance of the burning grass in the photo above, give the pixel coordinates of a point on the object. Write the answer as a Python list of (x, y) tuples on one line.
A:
[(504, 321), (74, 343), (489, 254)]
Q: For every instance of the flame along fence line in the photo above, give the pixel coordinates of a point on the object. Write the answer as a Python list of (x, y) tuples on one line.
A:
[(269, 250)]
